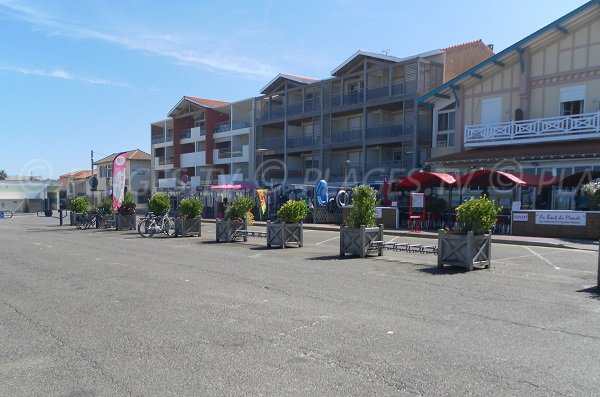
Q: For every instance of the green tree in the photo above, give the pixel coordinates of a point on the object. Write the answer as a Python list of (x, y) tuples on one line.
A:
[(3, 175)]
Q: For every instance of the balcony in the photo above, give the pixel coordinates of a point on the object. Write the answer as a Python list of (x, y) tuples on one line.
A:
[(223, 126), (271, 143), (377, 92), (302, 142), (349, 98), (194, 159), (185, 133), (163, 161), (167, 183), (231, 155), (346, 136), (158, 139), (562, 128), (384, 132)]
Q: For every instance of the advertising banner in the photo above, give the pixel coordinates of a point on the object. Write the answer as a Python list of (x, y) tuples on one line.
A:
[(262, 198), (118, 179)]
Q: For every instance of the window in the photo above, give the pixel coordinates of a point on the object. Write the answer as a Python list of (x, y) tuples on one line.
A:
[(491, 110), (570, 108), (444, 135), (397, 155), (105, 171), (572, 100)]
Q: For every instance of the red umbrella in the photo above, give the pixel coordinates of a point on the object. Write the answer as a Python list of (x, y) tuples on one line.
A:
[(227, 186), (425, 179), (384, 192), (503, 179)]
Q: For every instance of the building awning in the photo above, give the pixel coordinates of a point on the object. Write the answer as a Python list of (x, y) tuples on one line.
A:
[(503, 179), (578, 179)]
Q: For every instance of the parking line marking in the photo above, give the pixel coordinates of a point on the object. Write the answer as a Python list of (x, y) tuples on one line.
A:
[(542, 258), (333, 238)]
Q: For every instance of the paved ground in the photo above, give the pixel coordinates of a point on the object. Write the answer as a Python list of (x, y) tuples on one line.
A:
[(94, 313)]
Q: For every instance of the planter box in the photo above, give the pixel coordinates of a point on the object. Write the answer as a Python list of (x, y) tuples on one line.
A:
[(226, 228), (357, 241), (188, 227), (125, 222), (281, 233), (76, 218), (106, 221), (464, 250)]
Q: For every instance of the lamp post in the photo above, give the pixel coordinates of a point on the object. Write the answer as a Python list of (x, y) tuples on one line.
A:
[(262, 151), (347, 163)]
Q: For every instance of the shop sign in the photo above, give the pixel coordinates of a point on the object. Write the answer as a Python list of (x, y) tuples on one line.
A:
[(563, 218), (520, 216)]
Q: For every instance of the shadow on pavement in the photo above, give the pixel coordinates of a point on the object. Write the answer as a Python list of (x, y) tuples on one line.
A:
[(448, 270), (594, 292)]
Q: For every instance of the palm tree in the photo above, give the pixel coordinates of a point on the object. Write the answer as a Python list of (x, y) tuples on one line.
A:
[(3, 175)]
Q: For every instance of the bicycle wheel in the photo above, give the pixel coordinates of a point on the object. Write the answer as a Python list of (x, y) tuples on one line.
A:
[(91, 221), (146, 227), (169, 227)]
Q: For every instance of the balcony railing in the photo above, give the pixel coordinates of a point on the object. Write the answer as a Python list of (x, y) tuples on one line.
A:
[(165, 161), (185, 133), (271, 143), (302, 141), (169, 137), (561, 128), (158, 139), (384, 132), (222, 127), (346, 136), (377, 92)]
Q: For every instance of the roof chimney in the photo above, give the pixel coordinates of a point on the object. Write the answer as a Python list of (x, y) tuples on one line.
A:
[(491, 47)]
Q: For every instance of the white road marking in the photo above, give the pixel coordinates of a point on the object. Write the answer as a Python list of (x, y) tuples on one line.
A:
[(37, 243), (542, 258), (322, 242)]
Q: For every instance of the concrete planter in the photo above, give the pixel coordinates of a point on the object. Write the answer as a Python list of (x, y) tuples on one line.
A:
[(125, 222), (464, 250), (226, 229), (185, 226), (281, 233), (357, 241), (106, 221)]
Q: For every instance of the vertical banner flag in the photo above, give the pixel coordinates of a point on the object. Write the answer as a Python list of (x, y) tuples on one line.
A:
[(119, 168), (262, 198)]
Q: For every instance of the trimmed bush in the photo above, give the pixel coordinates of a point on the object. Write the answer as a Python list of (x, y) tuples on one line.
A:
[(591, 191), (190, 207), (159, 204), (293, 211), (478, 215), (127, 205), (364, 201), (106, 206), (80, 204), (239, 208)]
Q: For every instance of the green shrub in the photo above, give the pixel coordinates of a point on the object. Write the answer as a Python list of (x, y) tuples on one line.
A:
[(591, 191), (478, 215), (159, 204), (106, 206), (364, 201), (239, 208), (127, 205), (190, 207), (80, 204), (293, 211)]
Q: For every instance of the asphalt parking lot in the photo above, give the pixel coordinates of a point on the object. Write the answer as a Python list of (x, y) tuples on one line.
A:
[(97, 312)]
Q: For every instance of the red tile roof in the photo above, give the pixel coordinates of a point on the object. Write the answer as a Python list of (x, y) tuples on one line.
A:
[(586, 148), (467, 44), (83, 174), (204, 101)]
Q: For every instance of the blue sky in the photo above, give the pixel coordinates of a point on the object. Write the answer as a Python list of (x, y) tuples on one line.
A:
[(89, 75)]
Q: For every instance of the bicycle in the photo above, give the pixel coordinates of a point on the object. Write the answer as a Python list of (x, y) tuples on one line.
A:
[(86, 220), (151, 224)]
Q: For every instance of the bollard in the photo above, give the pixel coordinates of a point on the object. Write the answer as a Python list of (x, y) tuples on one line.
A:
[(598, 272), (60, 217)]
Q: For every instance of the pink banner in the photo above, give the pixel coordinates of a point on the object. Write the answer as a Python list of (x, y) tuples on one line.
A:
[(118, 179)]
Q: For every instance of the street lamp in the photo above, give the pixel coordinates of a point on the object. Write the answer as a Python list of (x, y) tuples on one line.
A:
[(262, 151), (346, 174)]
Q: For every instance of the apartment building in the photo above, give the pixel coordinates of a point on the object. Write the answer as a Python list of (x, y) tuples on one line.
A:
[(363, 124), (533, 107), (201, 143)]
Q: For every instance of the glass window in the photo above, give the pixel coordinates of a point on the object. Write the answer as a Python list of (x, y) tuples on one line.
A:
[(571, 108), (446, 121)]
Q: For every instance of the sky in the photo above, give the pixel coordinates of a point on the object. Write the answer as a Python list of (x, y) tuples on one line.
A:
[(82, 76)]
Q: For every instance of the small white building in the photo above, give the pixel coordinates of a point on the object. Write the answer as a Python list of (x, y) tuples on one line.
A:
[(28, 195)]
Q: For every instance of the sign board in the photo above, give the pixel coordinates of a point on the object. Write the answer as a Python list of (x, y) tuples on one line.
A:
[(563, 218), (516, 206), (1, 214), (139, 171), (520, 216), (417, 205), (378, 213)]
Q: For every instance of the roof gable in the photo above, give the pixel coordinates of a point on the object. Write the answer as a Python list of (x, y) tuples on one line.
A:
[(135, 154), (360, 54), (511, 54), (181, 107), (282, 78)]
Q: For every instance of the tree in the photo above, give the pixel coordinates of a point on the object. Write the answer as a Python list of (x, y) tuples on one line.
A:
[(3, 175)]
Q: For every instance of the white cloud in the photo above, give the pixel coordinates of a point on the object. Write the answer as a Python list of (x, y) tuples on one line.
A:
[(64, 75), (210, 55)]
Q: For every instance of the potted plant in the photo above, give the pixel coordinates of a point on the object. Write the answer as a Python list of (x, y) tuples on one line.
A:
[(79, 205), (125, 218), (189, 221), (471, 244), (236, 219), (289, 227), (361, 229), (591, 191)]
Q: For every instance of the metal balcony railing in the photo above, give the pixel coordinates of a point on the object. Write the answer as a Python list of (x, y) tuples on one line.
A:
[(346, 136), (302, 141), (158, 139), (223, 126), (560, 128), (185, 133), (384, 132)]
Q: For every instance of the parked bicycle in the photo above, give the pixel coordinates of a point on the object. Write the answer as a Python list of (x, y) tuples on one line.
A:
[(152, 224), (86, 220)]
